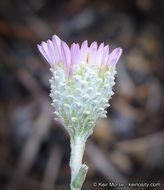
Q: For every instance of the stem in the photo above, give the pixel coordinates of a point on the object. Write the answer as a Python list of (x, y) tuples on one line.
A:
[(78, 170)]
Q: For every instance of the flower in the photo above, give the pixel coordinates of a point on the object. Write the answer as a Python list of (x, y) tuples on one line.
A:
[(81, 83)]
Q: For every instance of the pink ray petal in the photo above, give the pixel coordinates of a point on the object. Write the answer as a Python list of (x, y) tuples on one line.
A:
[(57, 47), (92, 53), (105, 55), (114, 57), (84, 51), (44, 50), (66, 56), (99, 54), (75, 53), (52, 52)]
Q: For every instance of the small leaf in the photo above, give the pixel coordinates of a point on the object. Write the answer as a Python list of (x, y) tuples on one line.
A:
[(80, 177)]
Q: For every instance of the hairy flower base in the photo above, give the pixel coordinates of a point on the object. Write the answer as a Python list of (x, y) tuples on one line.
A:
[(81, 101)]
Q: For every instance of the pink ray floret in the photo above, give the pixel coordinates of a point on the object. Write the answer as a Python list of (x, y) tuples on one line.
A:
[(57, 51)]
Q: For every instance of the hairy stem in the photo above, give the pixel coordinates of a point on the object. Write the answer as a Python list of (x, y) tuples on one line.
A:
[(78, 170)]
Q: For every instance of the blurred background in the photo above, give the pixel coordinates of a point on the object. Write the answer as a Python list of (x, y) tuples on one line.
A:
[(126, 147)]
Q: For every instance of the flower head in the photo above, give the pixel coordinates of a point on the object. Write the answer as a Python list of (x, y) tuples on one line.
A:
[(81, 83)]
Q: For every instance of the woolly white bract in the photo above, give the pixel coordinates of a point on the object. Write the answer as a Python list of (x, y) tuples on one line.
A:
[(81, 101)]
